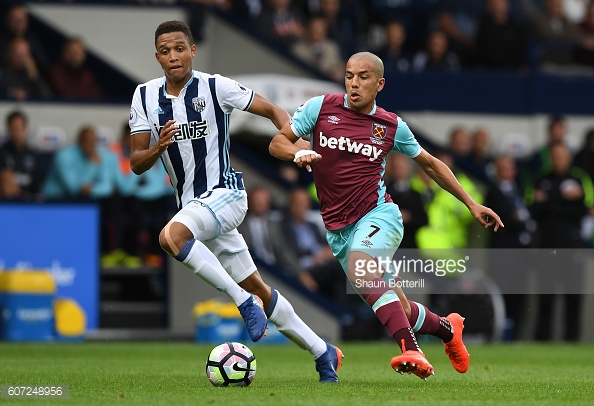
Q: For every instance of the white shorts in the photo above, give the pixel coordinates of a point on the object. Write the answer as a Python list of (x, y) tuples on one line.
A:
[(213, 219)]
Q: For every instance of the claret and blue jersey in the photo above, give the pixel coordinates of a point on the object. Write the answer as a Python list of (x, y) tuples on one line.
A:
[(198, 160), (353, 145)]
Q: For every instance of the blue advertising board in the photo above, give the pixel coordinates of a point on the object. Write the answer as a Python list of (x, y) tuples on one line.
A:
[(62, 239)]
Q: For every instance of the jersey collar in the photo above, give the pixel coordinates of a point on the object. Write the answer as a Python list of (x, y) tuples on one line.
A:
[(346, 104), (185, 86)]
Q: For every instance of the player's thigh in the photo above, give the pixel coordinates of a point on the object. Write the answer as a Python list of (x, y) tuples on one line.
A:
[(213, 213), (378, 234), (232, 252), (199, 219), (229, 206)]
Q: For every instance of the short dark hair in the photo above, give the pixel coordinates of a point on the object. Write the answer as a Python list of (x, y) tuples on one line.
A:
[(15, 114), (555, 119), (174, 26)]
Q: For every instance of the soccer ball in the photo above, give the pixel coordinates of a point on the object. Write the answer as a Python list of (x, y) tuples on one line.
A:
[(231, 364)]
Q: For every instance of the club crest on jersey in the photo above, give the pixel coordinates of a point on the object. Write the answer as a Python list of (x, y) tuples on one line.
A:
[(378, 133), (198, 103)]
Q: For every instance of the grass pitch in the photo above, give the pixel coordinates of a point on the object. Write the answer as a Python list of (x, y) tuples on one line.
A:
[(173, 374)]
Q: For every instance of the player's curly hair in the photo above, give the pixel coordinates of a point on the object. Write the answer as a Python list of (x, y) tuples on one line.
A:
[(174, 26)]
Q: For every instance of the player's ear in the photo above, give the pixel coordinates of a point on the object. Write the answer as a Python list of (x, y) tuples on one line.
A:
[(193, 49), (380, 84)]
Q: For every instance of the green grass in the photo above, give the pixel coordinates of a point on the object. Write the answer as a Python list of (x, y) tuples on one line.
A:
[(173, 374)]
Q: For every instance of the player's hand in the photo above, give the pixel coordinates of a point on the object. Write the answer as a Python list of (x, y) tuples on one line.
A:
[(486, 217), (166, 135), (306, 158)]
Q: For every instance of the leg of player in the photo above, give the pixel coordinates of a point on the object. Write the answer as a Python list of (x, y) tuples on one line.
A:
[(179, 242), (279, 311), (448, 329), (389, 310)]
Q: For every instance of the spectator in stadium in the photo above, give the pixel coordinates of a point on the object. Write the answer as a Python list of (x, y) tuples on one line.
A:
[(70, 77), (395, 57), (260, 228), (20, 78), (480, 163), (505, 197), (197, 12), (347, 23), (460, 142), (317, 50), (584, 158), (551, 27), (280, 22), (169, 120), (409, 201), (310, 259), (141, 208), (448, 219), (459, 19), (16, 25), (501, 40), (20, 177), (356, 210), (85, 172), (562, 198), (540, 162), (436, 56)]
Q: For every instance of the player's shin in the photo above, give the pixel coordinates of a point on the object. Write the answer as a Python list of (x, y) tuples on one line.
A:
[(389, 311), (199, 259), (423, 321), (282, 314)]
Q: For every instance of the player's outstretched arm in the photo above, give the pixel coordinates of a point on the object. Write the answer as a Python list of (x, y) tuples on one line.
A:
[(443, 176), (271, 111), (142, 156), (288, 147)]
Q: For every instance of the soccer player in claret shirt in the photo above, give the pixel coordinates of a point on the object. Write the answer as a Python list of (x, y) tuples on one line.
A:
[(350, 138), (182, 119)]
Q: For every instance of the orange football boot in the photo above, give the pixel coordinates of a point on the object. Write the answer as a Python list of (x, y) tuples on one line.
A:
[(412, 362), (456, 349)]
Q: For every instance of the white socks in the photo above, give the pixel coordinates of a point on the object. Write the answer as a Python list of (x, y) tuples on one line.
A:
[(289, 324), (203, 262)]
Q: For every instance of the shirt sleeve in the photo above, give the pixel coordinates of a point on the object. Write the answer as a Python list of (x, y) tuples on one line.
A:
[(232, 94), (138, 120), (405, 141), (305, 117)]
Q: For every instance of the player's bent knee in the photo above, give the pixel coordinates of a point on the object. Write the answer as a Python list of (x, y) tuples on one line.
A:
[(173, 237)]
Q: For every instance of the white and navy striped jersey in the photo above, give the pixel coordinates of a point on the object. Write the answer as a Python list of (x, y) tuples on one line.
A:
[(198, 160)]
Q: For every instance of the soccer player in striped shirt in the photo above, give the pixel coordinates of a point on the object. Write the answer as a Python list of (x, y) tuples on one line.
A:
[(350, 138), (182, 119)]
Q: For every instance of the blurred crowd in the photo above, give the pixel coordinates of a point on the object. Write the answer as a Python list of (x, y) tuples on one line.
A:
[(133, 208), (423, 35), (410, 36)]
